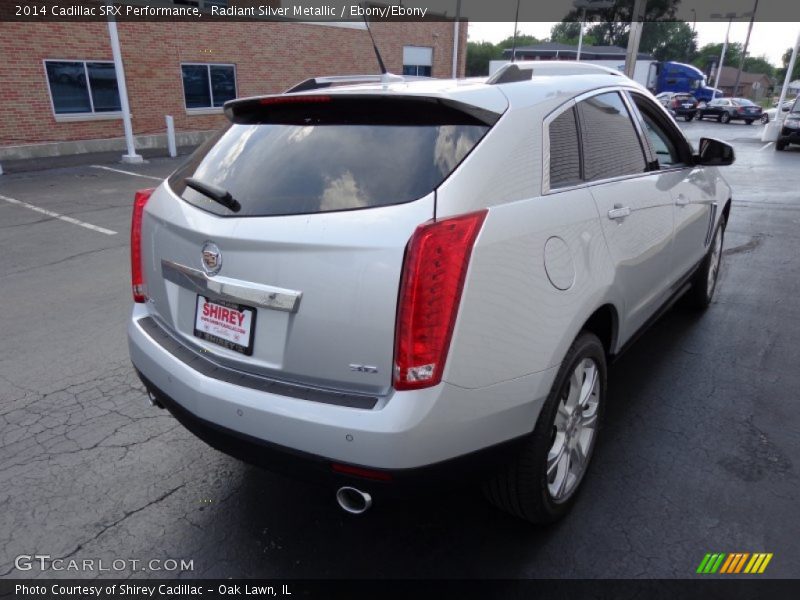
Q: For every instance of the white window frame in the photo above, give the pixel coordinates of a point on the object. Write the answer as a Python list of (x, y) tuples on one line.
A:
[(86, 116), (208, 110), (418, 65)]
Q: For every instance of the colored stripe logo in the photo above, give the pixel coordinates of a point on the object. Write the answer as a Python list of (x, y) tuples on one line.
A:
[(734, 563)]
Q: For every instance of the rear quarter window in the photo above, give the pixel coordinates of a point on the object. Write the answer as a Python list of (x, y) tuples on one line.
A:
[(565, 156), (286, 169)]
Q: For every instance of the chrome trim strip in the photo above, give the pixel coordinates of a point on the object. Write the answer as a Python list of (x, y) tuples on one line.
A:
[(203, 364), (235, 290)]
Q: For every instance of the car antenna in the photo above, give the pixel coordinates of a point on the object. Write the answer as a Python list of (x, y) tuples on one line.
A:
[(514, 44), (386, 77), (374, 45)]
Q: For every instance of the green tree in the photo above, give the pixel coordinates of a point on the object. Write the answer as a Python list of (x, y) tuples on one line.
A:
[(478, 56), (758, 64), (781, 73), (568, 32), (709, 55), (669, 40), (523, 39)]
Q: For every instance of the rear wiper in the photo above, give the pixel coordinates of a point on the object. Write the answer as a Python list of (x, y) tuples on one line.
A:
[(217, 194)]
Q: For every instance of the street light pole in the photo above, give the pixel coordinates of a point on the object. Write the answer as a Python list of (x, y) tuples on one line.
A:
[(722, 56), (131, 156), (744, 50), (634, 37), (580, 36)]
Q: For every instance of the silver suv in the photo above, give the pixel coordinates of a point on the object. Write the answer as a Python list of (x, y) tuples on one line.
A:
[(387, 283)]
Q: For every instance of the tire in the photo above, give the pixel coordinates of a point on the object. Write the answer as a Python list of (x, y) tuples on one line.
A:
[(780, 145), (725, 118), (524, 488), (688, 117), (748, 121), (764, 119), (704, 282), (698, 116)]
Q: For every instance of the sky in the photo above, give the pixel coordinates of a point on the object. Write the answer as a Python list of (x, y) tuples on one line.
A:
[(768, 39)]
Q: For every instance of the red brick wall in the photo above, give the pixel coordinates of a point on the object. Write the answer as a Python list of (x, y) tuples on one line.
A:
[(269, 57)]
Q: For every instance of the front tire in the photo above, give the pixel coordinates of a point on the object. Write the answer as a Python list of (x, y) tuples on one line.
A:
[(780, 145), (688, 117), (764, 119), (541, 483), (725, 118), (704, 282)]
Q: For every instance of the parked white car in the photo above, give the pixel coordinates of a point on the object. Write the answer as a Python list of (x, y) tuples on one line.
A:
[(392, 282), (770, 113)]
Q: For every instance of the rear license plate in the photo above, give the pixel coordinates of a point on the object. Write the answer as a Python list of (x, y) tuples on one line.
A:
[(230, 325), (687, 105)]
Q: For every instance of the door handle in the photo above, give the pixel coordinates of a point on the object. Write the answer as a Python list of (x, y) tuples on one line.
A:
[(619, 212), (681, 200)]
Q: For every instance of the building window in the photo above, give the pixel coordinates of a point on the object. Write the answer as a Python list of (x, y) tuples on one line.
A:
[(417, 60), (208, 86), (82, 87)]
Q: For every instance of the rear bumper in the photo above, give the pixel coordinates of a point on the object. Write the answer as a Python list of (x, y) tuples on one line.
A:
[(318, 469), (407, 430)]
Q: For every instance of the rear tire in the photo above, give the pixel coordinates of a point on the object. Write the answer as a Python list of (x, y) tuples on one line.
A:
[(725, 118), (541, 483), (704, 282), (764, 119), (780, 145), (688, 117)]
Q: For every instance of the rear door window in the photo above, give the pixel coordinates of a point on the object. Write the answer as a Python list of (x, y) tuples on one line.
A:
[(611, 145), (565, 154), (314, 164)]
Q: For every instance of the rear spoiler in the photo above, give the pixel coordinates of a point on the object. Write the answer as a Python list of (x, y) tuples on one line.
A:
[(356, 109), (317, 83)]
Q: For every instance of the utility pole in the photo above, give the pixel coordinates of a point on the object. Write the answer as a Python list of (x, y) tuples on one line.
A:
[(744, 50), (635, 36)]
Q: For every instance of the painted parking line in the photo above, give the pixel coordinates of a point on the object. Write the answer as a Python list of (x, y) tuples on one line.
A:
[(765, 146), (127, 172), (59, 216)]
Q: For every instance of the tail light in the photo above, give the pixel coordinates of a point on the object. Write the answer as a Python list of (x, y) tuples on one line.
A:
[(676, 103), (435, 266), (137, 273)]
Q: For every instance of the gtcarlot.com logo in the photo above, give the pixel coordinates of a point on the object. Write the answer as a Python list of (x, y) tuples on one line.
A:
[(44, 562), (734, 563)]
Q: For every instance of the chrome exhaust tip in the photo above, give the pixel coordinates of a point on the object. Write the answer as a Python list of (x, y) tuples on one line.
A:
[(353, 501), (154, 401)]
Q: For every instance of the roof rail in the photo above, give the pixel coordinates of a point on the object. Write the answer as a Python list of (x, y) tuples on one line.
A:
[(316, 83), (524, 71)]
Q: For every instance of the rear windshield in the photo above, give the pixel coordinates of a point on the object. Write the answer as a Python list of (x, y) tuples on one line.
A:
[(743, 102), (288, 169)]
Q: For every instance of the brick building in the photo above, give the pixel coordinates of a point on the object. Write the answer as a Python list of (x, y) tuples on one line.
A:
[(59, 94)]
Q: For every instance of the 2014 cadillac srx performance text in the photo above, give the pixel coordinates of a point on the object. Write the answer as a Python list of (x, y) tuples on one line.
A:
[(378, 283)]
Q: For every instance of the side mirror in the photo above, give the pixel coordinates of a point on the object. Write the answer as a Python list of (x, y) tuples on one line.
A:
[(714, 153)]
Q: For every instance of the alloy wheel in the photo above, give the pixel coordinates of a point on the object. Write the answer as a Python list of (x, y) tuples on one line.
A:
[(574, 430)]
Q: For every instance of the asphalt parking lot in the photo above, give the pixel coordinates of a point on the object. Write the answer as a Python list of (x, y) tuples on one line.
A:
[(699, 452)]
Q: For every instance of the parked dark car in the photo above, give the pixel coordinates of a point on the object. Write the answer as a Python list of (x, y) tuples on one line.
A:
[(726, 110), (679, 104), (790, 132)]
